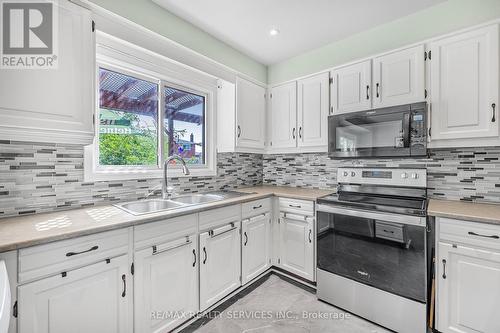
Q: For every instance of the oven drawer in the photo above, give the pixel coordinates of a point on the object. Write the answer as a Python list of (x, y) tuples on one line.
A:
[(470, 233), (389, 231)]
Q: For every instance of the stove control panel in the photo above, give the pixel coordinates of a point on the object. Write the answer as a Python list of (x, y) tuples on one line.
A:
[(383, 176)]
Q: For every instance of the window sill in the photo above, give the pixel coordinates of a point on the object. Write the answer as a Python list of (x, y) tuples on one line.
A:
[(93, 174)]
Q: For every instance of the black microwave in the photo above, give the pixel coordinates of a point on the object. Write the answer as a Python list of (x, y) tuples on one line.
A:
[(398, 131)]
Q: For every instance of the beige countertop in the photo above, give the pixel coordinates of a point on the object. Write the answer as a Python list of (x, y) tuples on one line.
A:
[(25, 231), (468, 211)]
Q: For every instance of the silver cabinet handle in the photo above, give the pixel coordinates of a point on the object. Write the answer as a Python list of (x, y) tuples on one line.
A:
[(246, 238), (194, 257), (124, 280), (156, 251), (444, 268), (310, 232), (293, 132), (486, 236), (294, 206), (378, 95), (367, 92), (205, 252), (239, 131), (213, 233), (93, 248), (493, 106), (257, 207), (300, 132)]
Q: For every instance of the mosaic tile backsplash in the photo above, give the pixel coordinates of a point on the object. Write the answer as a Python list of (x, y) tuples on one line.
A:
[(453, 174), (42, 177)]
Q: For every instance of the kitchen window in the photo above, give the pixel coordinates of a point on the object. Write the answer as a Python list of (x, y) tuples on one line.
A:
[(145, 114)]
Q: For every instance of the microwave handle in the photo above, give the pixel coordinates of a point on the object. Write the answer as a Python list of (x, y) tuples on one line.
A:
[(406, 130)]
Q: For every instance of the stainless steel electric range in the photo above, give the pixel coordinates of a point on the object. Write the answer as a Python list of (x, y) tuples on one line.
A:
[(372, 246)]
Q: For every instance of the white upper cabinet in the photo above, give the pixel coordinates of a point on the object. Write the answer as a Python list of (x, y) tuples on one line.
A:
[(250, 114), (54, 105), (241, 116), (351, 88), (464, 86), (399, 77), (283, 129), (312, 110)]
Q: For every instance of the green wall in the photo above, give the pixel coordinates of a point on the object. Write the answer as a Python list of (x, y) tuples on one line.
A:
[(440, 19), (159, 20)]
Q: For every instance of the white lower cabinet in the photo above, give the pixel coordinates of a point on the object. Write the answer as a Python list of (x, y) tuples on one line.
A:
[(469, 289), (220, 263), (296, 245), (96, 298), (165, 285), (255, 246)]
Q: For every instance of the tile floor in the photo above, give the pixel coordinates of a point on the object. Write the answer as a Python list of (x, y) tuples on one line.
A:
[(280, 305)]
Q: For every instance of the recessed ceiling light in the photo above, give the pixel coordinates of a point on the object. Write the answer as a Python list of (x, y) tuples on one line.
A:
[(274, 31)]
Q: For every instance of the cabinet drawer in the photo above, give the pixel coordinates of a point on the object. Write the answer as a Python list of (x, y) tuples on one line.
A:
[(254, 208), (295, 206), (217, 217), (165, 230), (472, 233), (44, 260)]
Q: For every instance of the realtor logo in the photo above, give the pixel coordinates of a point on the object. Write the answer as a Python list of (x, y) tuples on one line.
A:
[(28, 35)]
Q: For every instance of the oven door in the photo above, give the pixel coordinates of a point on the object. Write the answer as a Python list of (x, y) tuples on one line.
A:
[(375, 133), (386, 251)]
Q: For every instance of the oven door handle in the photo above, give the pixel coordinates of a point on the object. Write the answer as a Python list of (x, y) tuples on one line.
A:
[(388, 217)]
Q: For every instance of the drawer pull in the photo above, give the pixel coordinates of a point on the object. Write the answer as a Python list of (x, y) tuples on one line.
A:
[(124, 280), (156, 251), (444, 268), (205, 252), (294, 206), (93, 248), (486, 236), (246, 238), (310, 232), (257, 207), (194, 256), (213, 234), (388, 231)]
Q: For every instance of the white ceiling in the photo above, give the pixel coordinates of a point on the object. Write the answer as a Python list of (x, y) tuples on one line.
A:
[(303, 24)]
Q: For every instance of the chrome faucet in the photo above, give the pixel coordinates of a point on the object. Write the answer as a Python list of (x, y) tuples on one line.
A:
[(185, 170)]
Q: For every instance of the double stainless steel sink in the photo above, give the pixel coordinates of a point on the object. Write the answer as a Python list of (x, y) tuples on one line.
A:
[(148, 206)]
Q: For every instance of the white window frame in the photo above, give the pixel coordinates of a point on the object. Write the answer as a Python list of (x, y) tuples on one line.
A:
[(117, 55)]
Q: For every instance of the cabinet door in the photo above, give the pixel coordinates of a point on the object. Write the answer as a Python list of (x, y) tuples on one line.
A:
[(312, 110), (296, 245), (468, 289), (54, 105), (351, 88), (283, 129), (95, 298), (464, 85), (220, 264), (165, 285), (250, 114), (399, 78), (255, 257)]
